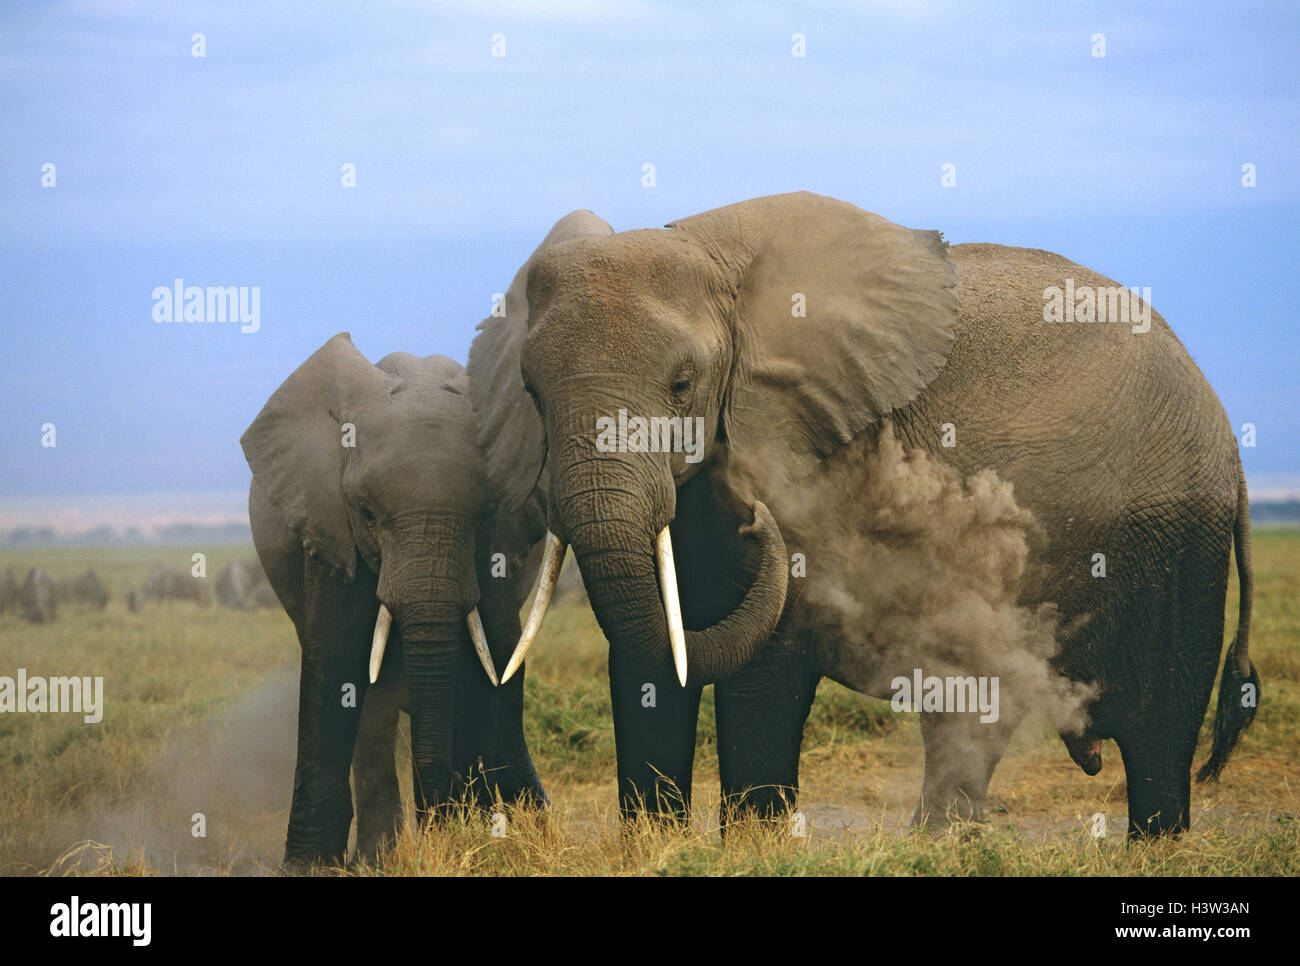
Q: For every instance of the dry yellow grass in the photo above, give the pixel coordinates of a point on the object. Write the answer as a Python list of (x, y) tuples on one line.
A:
[(200, 719)]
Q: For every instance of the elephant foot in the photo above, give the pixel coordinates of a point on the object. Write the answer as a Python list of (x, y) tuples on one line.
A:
[(1163, 820), (512, 784), (938, 812), (299, 863), (635, 820), (372, 843), (768, 806)]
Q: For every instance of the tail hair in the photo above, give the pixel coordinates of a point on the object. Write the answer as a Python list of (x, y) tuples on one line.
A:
[(1235, 712)]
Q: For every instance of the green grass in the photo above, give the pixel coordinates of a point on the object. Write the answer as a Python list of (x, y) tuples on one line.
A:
[(192, 725)]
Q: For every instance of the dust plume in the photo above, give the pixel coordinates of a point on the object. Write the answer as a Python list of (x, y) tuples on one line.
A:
[(910, 566), (236, 769)]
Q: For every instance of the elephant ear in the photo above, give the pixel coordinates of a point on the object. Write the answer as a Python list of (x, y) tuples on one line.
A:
[(510, 430), (295, 448), (879, 309)]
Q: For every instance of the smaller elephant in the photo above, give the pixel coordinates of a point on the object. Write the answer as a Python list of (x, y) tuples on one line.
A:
[(417, 537), (383, 555), (39, 596), (86, 592), (242, 585)]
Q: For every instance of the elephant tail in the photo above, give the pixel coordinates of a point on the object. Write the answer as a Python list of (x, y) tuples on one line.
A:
[(1239, 686)]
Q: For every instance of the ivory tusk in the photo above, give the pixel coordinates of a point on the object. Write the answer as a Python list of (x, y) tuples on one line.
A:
[(382, 624), (672, 606), (552, 561), (480, 644)]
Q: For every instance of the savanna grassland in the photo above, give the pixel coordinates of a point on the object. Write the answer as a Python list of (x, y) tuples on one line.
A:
[(199, 720)]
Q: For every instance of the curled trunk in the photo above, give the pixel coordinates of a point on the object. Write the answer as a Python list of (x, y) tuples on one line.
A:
[(612, 529)]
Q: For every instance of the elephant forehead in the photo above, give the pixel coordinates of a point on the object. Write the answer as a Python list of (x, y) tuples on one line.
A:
[(414, 433), (619, 274), (427, 475)]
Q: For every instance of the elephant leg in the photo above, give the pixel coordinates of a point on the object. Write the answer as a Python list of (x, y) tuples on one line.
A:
[(333, 635), (489, 737), (374, 769), (1158, 746), (654, 736), (516, 779), (1158, 776), (961, 753), (1174, 639), (760, 713)]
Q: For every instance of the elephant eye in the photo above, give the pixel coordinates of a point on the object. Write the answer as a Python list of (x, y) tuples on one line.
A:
[(681, 384), (367, 514)]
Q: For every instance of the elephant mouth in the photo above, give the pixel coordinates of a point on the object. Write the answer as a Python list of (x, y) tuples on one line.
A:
[(384, 624), (550, 575)]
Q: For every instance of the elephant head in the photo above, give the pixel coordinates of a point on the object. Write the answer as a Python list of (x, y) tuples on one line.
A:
[(379, 463), (776, 329)]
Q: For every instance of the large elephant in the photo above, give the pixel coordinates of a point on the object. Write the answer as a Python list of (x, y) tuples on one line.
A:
[(804, 334), (372, 510)]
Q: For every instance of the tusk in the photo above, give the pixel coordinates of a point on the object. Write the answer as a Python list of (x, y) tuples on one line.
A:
[(552, 560), (672, 606), (382, 623), (480, 644)]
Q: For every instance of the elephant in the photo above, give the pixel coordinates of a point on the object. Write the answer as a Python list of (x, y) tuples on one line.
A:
[(242, 585), (86, 592), (39, 596), (372, 511), (169, 584), (801, 334)]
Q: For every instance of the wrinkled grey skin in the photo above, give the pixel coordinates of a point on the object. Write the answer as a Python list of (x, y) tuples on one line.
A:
[(1112, 439), (242, 585), (39, 596), (411, 517), (169, 584)]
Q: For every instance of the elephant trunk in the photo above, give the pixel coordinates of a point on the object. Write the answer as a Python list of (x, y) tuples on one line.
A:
[(431, 635), (423, 584), (614, 509)]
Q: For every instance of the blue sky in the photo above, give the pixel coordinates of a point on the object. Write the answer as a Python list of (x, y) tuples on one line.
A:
[(226, 169)]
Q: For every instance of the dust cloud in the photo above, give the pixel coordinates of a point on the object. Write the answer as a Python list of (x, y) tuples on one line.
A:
[(235, 768), (909, 566)]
